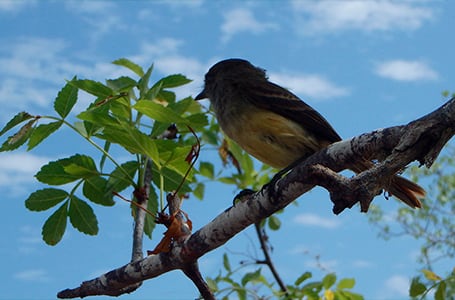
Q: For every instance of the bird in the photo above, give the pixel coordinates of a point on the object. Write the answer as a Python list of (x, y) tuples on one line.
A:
[(274, 125)]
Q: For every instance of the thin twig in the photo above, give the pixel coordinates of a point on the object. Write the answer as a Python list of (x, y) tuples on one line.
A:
[(268, 260), (140, 214)]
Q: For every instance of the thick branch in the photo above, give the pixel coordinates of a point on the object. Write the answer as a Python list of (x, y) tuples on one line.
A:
[(395, 147)]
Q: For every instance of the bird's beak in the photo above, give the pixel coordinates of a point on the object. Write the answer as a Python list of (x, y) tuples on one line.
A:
[(201, 95)]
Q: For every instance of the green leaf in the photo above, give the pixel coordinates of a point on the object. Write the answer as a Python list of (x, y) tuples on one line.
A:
[(175, 158), (346, 283), (54, 172), (303, 277), (44, 199), (251, 277), (80, 171), (158, 112), (107, 146), (55, 225), (41, 132), (417, 288), (206, 169), (121, 109), (329, 280), (347, 295), (124, 62), (197, 121), (166, 96), (274, 223), (121, 83), (134, 141), (82, 166), (181, 106), (142, 84), (17, 119), (95, 190), (227, 180), (82, 217), (172, 81), (99, 117), (92, 87), (212, 284), (199, 190), (440, 293), (120, 180), (172, 180), (241, 293), (19, 138), (152, 93), (226, 264), (81, 128), (313, 288), (65, 100), (430, 275)]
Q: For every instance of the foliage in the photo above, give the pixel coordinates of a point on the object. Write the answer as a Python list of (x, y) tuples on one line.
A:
[(127, 112), (252, 284), (444, 289)]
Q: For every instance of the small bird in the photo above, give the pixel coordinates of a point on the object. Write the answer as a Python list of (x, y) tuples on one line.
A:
[(274, 125)]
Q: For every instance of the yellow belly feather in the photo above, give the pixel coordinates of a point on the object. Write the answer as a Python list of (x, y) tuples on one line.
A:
[(271, 138)]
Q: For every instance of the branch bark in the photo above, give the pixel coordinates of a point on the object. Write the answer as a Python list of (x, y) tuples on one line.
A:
[(394, 148)]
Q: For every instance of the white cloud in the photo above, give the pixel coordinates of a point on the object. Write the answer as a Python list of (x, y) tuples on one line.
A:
[(309, 85), (362, 264), (10, 6), (406, 70), (242, 20), (36, 275), (100, 15), (34, 58), (24, 163), (29, 237), (36, 68), (165, 55), (17, 169), (315, 17), (397, 285), (88, 6), (160, 47), (308, 219), (15, 97), (184, 3)]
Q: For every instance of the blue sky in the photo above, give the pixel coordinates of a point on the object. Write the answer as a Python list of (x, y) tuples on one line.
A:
[(362, 64)]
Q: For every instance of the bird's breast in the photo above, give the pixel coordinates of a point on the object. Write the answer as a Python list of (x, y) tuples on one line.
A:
[(269, 137)]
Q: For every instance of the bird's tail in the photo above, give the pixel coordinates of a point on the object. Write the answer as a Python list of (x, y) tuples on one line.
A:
[(407, 191), (400, 187)]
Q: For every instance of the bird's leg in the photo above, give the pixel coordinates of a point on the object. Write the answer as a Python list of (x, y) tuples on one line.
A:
[(242, 195), (280, 174)]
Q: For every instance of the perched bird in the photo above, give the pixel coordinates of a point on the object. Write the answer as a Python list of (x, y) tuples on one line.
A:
[(274, 125)]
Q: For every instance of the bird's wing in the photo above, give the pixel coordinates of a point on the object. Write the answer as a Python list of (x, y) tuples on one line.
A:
[(270, 96)]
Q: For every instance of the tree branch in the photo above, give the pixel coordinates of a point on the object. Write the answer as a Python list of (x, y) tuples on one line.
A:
[(268, 260), (394, 148)]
